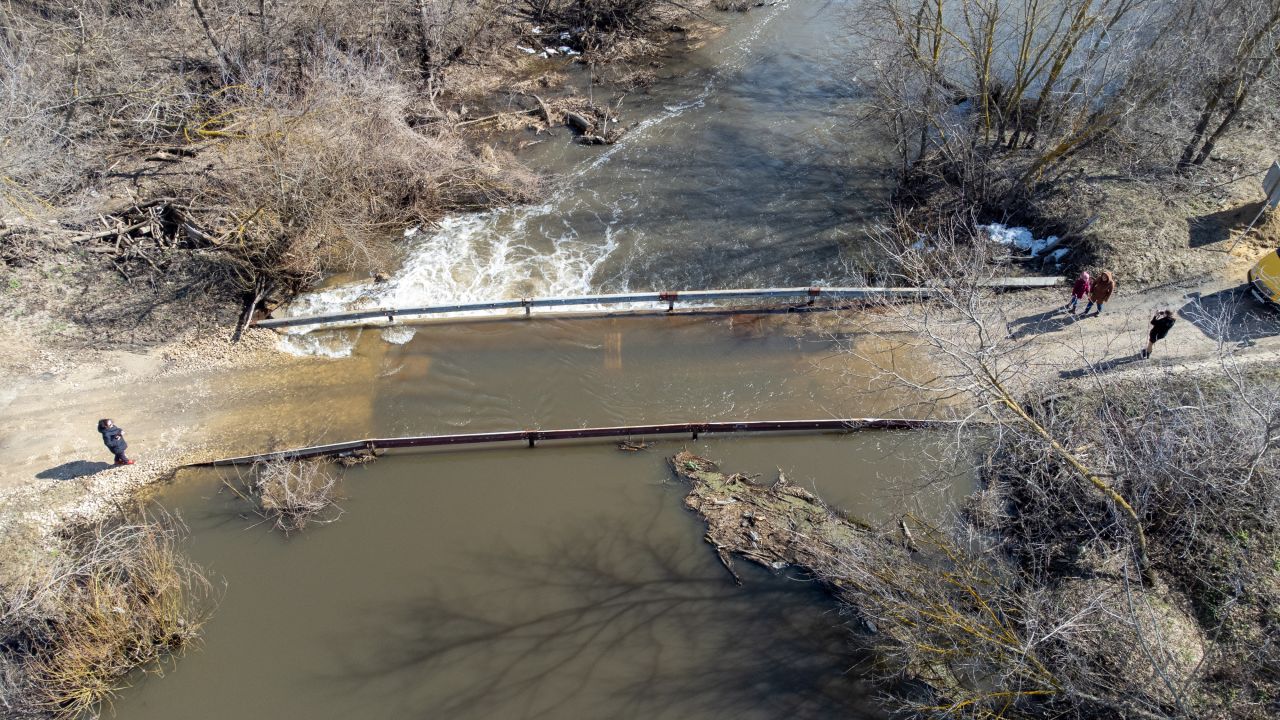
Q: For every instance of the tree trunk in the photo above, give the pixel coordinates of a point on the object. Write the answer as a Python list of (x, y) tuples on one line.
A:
[(1237, 103), (218, 48)]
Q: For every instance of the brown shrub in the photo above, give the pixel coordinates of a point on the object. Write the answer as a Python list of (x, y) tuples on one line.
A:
[(295, 493), (121, 597), (301, 188)]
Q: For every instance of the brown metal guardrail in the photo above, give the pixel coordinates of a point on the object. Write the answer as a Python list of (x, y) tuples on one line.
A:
[(532, 437), (385, 316)]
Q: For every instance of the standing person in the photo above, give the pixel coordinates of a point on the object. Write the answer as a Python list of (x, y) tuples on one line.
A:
[(1078, 291), (1161, 322), (1101, 292), (113, 438)]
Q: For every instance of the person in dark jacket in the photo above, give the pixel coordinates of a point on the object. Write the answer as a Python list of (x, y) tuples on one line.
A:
[(113, 438), (1161, 322)]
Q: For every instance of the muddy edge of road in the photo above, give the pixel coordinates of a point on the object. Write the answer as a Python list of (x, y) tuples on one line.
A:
[(52, 479)]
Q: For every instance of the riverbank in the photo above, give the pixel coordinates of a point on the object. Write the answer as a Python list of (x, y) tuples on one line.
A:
[(235, 397), (254, 396), (300, 149), (111, 337)]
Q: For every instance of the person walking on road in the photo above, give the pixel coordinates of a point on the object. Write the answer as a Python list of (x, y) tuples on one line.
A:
[(1101, 291), (113, 438), (1078, 291), (1161, 322)]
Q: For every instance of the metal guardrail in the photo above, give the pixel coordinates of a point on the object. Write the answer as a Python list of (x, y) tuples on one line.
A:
[(532, 437), (670, 298)]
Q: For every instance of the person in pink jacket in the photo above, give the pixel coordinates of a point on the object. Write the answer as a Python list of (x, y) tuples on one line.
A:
[(1078, 291)]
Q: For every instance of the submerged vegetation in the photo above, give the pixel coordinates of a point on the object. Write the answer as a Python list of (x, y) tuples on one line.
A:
[(1033, 602), (295, 493), (113, 598)]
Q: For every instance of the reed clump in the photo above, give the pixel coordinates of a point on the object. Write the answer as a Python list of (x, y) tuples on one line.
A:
[(293, 494), (115, 598)]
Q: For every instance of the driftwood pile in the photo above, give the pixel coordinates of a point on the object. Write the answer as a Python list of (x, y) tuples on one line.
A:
[(779, 525), (591, 123)]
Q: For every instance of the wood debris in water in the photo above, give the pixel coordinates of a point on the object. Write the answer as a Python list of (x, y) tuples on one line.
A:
[(776, 526)]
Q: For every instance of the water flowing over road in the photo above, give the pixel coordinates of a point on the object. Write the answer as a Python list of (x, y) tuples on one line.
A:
[(569, 582), (749, 166)]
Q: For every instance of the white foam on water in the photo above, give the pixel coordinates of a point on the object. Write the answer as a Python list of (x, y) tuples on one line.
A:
[(398, 335), (335, 345), (478, 257)]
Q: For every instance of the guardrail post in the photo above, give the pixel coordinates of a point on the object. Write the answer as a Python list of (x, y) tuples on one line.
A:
[(814, 292), (670, 297), (532, 436), (391, 316), (528, 306)]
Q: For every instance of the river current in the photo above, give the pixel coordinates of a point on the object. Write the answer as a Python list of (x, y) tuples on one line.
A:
[(568, 581), (749, 166)]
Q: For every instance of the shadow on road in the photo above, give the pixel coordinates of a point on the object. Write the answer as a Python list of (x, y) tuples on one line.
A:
[(72, 470), (1041, 323), (1216, 227), (1101, 367), (1229, 316)]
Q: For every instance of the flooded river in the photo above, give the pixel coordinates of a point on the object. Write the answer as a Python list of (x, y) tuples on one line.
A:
[(568, 581), (750, 167), (564, 582)]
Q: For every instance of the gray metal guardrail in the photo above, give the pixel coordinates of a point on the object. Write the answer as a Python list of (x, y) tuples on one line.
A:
[(532, 437), (670, 298)]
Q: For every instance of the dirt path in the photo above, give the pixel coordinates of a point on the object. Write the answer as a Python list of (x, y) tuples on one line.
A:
[(1213, 313), (194, 401), (178, 404)]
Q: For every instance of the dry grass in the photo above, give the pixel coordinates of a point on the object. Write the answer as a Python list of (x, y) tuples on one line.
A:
[(301, 187), (239, 150), (293, 494), (121, 597)]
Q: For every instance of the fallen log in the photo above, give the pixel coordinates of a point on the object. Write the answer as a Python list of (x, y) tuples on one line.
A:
[(578, 122), (496, 116), (777, 526)]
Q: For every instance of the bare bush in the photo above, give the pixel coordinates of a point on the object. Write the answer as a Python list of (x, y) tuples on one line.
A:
[(308, 186), (293, 494), (121, 596), (1008, 94), (270, 142), (596, 15), (972, 634), (1126, 525)]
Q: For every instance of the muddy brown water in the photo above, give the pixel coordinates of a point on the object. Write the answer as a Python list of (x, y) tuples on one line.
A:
[(562, 581), (568, 581), (563, 373), (554, 582)]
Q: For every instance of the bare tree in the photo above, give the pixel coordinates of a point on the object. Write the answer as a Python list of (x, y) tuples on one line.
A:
[(1136, 511), (1236, 43)]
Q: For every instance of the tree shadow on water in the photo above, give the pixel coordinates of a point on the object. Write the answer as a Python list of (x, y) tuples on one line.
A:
[(618, 625)]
